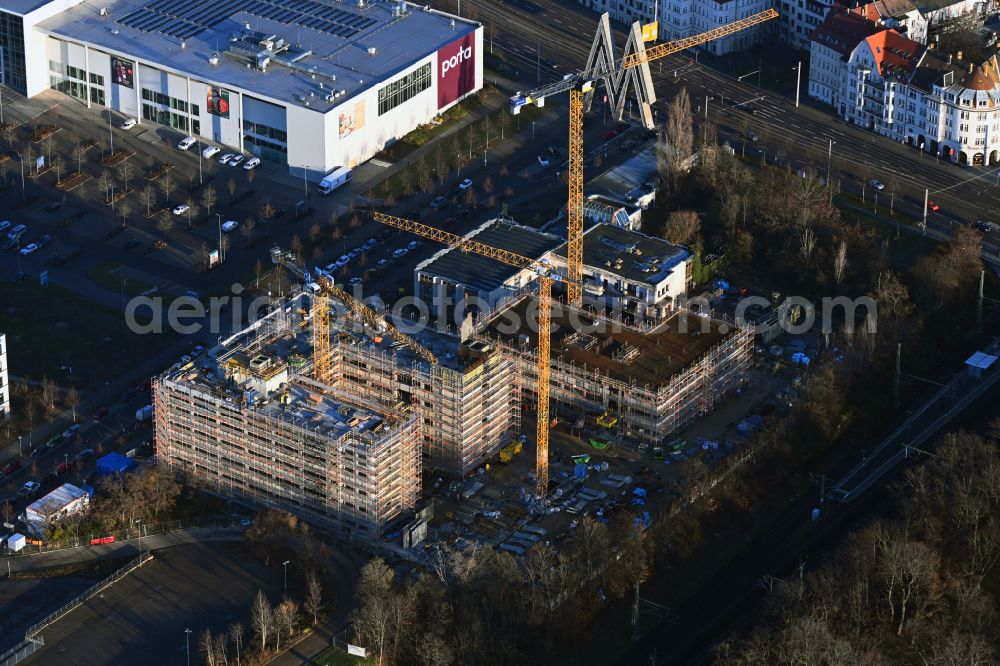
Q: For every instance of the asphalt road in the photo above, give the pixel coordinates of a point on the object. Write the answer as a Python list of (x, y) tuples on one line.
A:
[(545, 39)]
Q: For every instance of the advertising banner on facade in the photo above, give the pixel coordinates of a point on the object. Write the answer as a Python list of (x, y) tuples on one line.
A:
[(123, 72), (352, 120), (217, 102), (456, 69)]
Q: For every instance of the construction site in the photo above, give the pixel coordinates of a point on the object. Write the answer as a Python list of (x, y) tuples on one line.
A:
[(325, 408)]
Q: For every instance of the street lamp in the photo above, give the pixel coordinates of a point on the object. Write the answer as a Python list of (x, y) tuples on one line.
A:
[(24, 194), (139, 523), (798, 83), (219, 218), (285, 564), (187, 645), (201, 179)]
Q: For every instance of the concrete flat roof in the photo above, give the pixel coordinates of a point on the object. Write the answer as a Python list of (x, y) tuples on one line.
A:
[(657, 356), (154, 33), (629, 180), (484, 274), (642, 258), (22, 7)]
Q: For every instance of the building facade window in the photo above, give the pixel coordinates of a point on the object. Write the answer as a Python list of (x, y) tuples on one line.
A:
[(393, 94), (12, 71)]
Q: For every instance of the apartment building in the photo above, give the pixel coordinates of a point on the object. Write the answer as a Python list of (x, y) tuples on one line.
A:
[(946, 104)]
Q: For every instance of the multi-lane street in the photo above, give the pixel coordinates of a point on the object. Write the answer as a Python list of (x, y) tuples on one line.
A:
[(545, 39)]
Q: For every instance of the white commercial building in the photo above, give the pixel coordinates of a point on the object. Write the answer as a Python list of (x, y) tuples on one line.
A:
[(4, 380), (637, 274), (313, 84)]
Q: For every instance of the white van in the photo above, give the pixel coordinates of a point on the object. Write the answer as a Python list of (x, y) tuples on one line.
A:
[(17, 232), (334, 179), (186, 143)]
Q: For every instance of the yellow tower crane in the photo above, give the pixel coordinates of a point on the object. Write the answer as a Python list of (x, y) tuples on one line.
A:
[(321, 317), (578, 85), (546, 276)]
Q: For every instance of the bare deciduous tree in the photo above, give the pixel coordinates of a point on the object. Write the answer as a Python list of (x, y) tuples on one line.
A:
[(680, 139), (207, 647), (840, 262), (148, 198), (209, 198), (235, 633), (262, 617), (683, 227), (166, 185), (314, 596)]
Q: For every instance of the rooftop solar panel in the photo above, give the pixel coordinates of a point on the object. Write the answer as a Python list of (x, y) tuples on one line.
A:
[(185, 18)]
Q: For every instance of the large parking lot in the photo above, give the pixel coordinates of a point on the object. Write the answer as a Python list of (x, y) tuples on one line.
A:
[(142, 618)]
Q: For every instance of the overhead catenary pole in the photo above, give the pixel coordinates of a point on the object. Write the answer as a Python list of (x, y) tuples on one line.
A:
[(923, 225), (798, 83)]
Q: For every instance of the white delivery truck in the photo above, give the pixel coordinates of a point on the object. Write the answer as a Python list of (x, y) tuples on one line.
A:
[(334, 179), (144, 413)]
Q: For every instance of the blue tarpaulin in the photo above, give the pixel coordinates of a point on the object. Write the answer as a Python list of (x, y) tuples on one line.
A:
[(114, 463)]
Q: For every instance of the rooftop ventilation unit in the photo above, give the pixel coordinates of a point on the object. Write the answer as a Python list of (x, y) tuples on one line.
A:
[(104, 11), (214, 60), (372, 50)]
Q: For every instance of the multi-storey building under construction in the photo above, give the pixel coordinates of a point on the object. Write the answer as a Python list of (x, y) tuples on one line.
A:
[(349, 454)]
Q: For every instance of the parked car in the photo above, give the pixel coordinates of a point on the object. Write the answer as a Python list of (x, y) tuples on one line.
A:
[(412, 244), (101, 412), (252, 163), (225, 158), (29, 488), (43, 241), (465, 184), (237, 159), (54, 441), (985, 226), (877, 184), (369, 244), (355, 280), (180, 209), (355, 252), (84, 454), (343, 259), (129, 124), (211, 151), (438, 202), (748, 108), (383, 262), (229, 225), (543, 161), (5, 225), (752, 136), (70, 431), (28, 249), (401, 252), (11, 467), (186, 143)]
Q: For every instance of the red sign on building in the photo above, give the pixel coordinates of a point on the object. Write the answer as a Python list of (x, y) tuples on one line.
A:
[(456, 69)]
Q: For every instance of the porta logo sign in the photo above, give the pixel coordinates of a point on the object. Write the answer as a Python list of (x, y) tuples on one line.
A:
[(464, 53), (456, 69)]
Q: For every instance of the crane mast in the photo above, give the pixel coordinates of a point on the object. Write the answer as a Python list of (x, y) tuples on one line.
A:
[(578, 85), (546, 276)]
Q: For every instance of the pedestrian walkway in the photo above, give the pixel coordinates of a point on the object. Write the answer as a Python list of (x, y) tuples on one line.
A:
[(124, 548)]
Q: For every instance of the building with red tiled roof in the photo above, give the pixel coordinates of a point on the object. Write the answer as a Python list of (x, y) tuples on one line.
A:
[(900, 15), (831, 45), (878, 72)]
